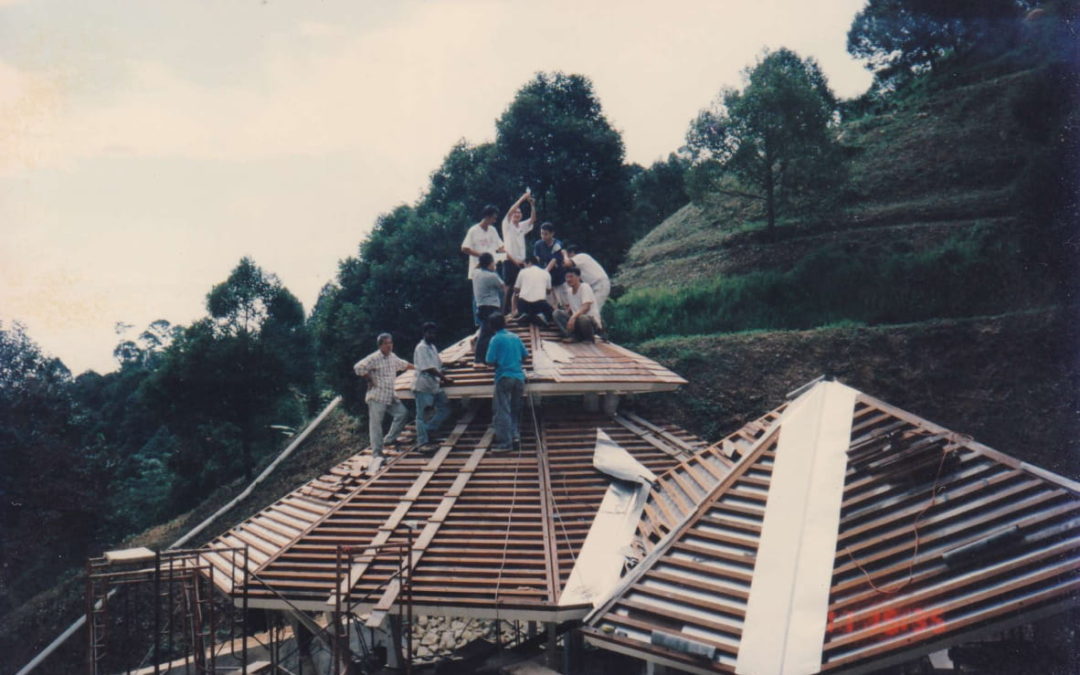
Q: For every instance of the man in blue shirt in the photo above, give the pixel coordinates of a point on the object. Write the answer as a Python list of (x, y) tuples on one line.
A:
[(507, 353)]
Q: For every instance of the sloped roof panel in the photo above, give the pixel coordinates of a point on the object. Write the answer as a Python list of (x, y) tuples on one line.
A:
[(492, 532), (939, 538)]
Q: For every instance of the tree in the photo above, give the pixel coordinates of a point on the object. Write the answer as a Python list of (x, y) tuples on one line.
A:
[(658, 192), (408, 271), (555, 139), (147, 347), (240, 303), (901, 38), (226, 378), (50, 488), (775, 135)]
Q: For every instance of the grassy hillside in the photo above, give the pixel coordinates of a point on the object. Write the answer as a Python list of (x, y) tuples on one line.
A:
[(936, 222), (941, 283)]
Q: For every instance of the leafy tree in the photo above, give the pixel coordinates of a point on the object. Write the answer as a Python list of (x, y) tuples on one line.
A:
[(409, 271), (775, 135), (147, 347), (225, 379), (900, 38), (49, 489), (555, 138), (658, 192), (240, 303)]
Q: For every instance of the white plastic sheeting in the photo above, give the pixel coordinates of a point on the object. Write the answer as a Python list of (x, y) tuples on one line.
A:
[(786, 614), (548, 356), (600, 563)]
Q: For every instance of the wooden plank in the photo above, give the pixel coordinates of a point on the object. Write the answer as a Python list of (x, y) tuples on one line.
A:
[(389, 597)]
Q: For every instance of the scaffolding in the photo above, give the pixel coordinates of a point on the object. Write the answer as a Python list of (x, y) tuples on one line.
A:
[(348, 605), (145, 609)]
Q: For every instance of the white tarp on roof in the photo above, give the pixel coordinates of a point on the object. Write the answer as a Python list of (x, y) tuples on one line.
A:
[(786, 614), (599, 565)]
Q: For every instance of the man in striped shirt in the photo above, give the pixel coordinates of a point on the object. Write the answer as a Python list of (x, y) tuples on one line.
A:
[(379, 369)]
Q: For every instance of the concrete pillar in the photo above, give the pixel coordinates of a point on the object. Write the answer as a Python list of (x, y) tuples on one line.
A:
[(572, 650), (552, 652), (592, 402), (304, 638), (611, 404), (395, 656)]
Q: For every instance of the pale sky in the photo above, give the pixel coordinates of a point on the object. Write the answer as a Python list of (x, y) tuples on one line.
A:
[(145, 147)]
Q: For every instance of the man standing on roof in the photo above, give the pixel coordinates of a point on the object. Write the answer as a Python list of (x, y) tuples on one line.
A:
[(581, 322), (592, 273), (530, 294), (507, 353), (550, 256), (379, 369), (514, 230), (481, 238), (427, 387), (488, 291)]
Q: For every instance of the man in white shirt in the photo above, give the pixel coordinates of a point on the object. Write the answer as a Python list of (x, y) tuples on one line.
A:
[(482, 238), (530, 293), (592, 273), (514, 230), (581, 322), (427, 387)]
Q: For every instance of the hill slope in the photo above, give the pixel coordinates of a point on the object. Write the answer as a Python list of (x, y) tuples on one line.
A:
[(929, 287), (939, 166)]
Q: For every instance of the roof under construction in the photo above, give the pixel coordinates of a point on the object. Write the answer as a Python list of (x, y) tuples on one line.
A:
[(495, 534), (554, 367), (850, 536), (835, 533)]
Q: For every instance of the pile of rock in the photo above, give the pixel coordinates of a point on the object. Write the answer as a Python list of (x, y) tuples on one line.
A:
[(435, 637)]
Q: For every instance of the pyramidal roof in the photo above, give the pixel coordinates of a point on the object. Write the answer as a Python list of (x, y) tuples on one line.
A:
[(494, 534), (845, 535), (554, 367)]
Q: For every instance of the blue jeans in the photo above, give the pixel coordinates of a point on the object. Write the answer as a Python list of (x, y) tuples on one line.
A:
[(376, 412), (424, 400), (509, 393)]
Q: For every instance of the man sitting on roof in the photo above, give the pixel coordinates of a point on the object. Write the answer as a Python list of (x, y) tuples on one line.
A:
[(530, 294), (581, 322), (551, 256), (507, 353), (380, 368), (427, 387), (592, 273)]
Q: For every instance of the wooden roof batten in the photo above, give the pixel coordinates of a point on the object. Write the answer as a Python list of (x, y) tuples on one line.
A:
[(940, 539)]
